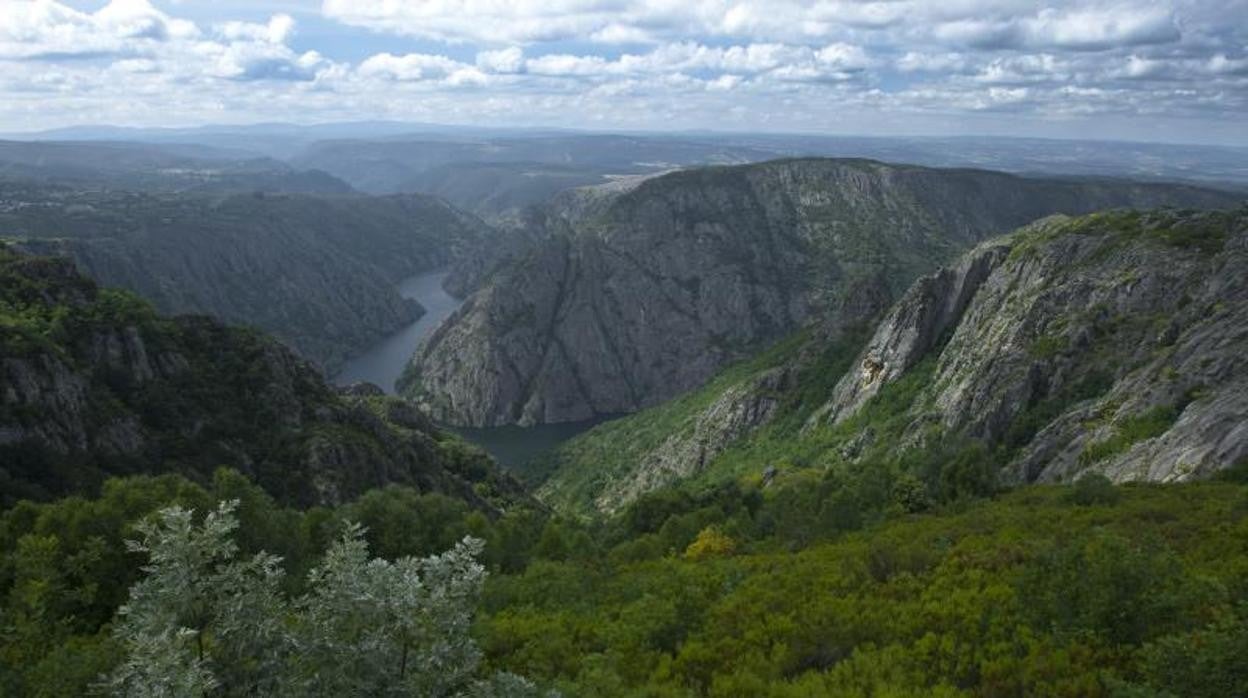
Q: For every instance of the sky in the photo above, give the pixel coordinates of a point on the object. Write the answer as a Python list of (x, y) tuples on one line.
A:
[(1114, 69)]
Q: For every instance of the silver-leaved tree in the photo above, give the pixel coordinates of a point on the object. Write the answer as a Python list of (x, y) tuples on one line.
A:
[(204, 622)]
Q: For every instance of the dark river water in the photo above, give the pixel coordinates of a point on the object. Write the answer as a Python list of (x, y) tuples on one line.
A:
[(384, 363)]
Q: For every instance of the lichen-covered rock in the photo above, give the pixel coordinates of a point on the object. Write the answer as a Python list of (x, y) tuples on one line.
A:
[(1113, 343)]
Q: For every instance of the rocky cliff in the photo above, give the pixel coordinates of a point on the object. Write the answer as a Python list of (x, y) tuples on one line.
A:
[(1110, 343), (93, 383), (637, 292), (319, 272)]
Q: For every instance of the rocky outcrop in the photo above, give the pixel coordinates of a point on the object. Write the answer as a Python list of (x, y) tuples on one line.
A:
[(737, 412), (634, 294), (924, 317), (1112, 343), (317, 272), (94, 384)]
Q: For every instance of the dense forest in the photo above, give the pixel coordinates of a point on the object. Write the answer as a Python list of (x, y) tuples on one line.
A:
[(805, 585)]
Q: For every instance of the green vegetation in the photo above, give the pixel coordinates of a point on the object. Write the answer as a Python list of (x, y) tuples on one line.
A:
[(1130, 431), (65, 569), (1024, 595), (101, 385), (809, 586), (1206, 231), (204, 621), (615, 446)]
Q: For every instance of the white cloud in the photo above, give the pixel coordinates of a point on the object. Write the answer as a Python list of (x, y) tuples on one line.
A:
[(409, 67), (632, 63), (277, 31), (1221, 65), (41, 28), (508, 60), (143, 40)]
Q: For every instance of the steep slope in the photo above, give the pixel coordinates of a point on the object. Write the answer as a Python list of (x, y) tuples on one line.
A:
[(93, 383), (318, 272), (1112, 343), (641, 291)]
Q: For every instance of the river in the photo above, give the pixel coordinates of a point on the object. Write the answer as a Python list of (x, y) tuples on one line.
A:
[(384, 363)]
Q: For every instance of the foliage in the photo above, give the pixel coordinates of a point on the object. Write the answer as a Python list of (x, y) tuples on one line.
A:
[(711, 542), (1027, 594), (1093, 489), (1129, 431), (835, 586), (64, 566), (204, 622)]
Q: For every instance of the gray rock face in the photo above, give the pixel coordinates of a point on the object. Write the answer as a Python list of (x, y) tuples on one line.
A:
[(737, 412), (1129, 328), (930, 309), (634, 294)]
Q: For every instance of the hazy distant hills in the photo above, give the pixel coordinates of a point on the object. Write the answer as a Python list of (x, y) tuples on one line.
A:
[(498, 172), (497, 175), (149, 167)]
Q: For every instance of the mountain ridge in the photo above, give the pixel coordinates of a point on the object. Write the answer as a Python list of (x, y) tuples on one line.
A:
[(1039, 356), (631, 297)]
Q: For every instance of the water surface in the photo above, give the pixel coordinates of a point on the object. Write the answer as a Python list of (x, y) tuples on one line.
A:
[(514, 446), (384, 362)]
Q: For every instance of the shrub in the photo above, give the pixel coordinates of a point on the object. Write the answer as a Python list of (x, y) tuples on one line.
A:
[(1093, 489), (711, 542)]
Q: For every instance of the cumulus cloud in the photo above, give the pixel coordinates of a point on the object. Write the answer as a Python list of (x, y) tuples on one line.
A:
[(34, 29), (803, 64), (508, 60)]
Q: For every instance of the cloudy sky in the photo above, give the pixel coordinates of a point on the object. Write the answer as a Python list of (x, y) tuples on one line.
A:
[(1125, 69)]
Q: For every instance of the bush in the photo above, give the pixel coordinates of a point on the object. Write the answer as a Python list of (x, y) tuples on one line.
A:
[(711, 542), (1093, 489)]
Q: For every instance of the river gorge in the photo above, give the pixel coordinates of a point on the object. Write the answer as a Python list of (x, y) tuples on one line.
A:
[(383, 363)]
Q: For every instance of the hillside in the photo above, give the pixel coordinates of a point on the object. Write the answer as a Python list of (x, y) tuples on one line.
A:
[(169, 167), (1107, 343), (93, 383), (318, 272), (640, 291)]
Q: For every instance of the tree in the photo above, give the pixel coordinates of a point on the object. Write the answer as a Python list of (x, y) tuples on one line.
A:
[(201, 620), (205, 623), (711, 542)]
